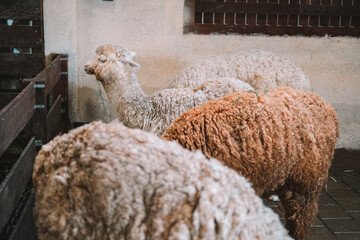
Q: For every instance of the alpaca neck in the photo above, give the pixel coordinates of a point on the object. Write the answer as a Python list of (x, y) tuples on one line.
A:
[(127, 98)]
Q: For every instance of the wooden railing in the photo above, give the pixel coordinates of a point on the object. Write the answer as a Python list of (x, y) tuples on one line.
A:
[(273, 17), (14, 117), (51, 115), (39, 111)]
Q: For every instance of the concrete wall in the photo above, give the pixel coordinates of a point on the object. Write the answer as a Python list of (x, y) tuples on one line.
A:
[(154, 29)]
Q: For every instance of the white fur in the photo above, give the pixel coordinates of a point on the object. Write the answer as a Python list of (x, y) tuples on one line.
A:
[(260, 69), (156, 112)]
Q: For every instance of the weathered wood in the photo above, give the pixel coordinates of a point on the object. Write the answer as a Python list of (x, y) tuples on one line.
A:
[(51, 74), (65, 123), (189, 14), (25, 65), (20, 9), (25, 228), (273, 30), (15, 115), (15, 182), (276, 17), (37, 125), (10, 84), (52, 81), (54, 118), (20, 36), (274, 8), (323, 10), (262, 8), (6, 98)]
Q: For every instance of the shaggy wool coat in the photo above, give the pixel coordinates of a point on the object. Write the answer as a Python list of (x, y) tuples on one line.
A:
[(282, 141), (113, 67), (105, 181), (261, 69)]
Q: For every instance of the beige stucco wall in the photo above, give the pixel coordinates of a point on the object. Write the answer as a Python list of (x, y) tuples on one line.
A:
[(154, 30)]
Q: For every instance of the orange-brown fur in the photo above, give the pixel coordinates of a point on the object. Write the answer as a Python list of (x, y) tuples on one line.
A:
[(282, 141)]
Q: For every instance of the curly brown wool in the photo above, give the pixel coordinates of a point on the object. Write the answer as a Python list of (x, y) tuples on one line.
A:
[(282, 141)]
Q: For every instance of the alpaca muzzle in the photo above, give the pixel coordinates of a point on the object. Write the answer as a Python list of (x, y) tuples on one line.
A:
[(89, 70)]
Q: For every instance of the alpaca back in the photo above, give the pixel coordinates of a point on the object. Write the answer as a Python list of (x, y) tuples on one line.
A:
[(260, 69), (105, 181), (272, 134)]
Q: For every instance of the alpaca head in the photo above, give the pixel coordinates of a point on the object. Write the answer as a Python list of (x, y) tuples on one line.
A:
[(110, 61)]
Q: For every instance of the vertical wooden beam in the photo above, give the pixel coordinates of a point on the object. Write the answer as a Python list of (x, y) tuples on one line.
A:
[(189, 15)]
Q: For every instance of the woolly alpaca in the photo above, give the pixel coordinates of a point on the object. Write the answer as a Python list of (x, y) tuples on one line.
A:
[(105, 181), (282, 141), (114, 68), (260, 69)]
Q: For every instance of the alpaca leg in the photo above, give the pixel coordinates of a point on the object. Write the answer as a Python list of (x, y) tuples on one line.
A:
[(300, 208)]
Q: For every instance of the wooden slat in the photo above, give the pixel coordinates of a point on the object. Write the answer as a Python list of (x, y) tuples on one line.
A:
[(15, 182), (189, 14), (15, 116), (65, 123), (25, 227), (273, 8), (20, 36), (25, 65), (10, 84), (51, 74), (37, 124), (53, 118), (323, 10), (6, 98), (273, 30), (260, 8), (20, 9)]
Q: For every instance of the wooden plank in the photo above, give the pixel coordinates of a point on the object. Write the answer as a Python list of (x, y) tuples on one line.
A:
[(189, 14), (20, 9), (37, 124), (20, 36), (25, 65), (249, 8), (6, 98), (323, 10), (272, 8), (15, 116), (10, 84), (25, 228), (15, 182), (51, 74), (53, 118), (274, 30), (65, 123)]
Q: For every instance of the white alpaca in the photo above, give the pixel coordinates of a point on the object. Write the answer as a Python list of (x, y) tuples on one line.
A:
[(114, 68), (260, 69)]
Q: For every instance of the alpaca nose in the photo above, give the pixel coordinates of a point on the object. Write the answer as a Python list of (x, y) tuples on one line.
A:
[(88, 69)]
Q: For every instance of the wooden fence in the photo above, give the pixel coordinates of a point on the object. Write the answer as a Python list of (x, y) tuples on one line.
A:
[(40, 111), (21, 42), (274, 17), (51, 90)]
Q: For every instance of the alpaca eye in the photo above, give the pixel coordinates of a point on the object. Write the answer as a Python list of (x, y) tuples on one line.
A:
[(102, 58)]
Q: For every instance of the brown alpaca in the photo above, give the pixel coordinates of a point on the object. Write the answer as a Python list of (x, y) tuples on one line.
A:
[(282, 141)]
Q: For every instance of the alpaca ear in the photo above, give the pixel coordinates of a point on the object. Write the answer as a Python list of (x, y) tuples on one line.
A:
[(131, 63), (132, 54)]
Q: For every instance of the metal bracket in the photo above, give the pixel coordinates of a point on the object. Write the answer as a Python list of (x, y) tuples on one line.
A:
[(39, 85), (64, 73), (63, 59), (39, 106), (38, 143)]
